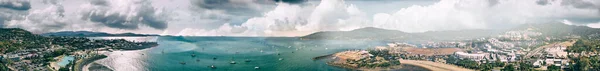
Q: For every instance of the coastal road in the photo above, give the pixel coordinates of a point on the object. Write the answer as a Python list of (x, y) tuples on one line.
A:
[(540, 49), (433, 66)]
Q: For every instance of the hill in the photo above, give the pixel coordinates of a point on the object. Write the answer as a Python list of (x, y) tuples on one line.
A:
[(371, 33), (91, 34), (368, 33)]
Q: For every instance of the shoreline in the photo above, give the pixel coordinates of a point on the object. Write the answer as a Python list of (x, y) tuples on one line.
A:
[(79, 64), (394, 67), (86, 65), (433, 66), (54, 64)]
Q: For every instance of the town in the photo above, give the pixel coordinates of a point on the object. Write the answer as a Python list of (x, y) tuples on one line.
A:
[(520, 50), (21, 50)]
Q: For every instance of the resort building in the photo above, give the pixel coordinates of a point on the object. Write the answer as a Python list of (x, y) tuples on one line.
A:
[(472, 56)]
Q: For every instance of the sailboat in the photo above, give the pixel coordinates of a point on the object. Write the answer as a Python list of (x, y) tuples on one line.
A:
[(182, 63), (247, 60), (212, 66), (232, 62)]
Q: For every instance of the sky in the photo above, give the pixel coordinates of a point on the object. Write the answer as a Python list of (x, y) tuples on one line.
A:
[(288, 17)]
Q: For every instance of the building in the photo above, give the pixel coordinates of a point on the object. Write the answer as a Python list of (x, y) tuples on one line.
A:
[(472, 56)]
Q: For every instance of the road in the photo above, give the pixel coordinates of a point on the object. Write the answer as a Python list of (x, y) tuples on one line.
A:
[(433, 66), (541, 49)]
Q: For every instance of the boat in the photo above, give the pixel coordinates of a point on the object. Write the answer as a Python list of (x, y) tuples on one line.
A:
[(247, 60), (280, 58), (214, 58), (212, 66), (256, 67), (232, 62), (193, 55), (182, 63)]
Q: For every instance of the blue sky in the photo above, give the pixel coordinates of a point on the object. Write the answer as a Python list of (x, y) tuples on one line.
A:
[(287, 17)]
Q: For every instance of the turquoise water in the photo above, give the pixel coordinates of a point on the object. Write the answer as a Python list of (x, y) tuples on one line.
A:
[(65, 60), (262, 52)]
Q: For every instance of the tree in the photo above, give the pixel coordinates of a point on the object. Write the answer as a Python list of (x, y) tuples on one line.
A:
[(553, 68), (509, 67), (525, 66), (63, 69), (582, 64)]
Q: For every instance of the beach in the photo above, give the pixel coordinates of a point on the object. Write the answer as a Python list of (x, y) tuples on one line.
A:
[(433, 66)]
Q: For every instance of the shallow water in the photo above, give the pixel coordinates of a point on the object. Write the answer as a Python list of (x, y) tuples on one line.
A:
[(262, 52), (65, 60)]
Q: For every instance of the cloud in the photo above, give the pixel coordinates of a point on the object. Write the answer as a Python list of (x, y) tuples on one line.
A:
[(327, 15), (478, 14), (291, 1), (595, 25), (43, 20), (580, 4), (128, 14), (15, 4)]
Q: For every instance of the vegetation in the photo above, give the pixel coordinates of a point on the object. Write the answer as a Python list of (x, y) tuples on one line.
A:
[(509, 67), (587, 45), (3, 66), (584, 63), (17, 42), (14, 39)]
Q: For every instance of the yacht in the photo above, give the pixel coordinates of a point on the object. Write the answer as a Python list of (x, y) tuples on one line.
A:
[(182, 63), (232, 62), (212, 67), (247, 60)]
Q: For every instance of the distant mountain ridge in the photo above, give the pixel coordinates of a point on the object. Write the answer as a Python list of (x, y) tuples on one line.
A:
[(91, 34), (371, 33)]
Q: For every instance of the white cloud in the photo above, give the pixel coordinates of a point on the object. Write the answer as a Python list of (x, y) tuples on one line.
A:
[(283, 19), (300, 20), (477, 14)]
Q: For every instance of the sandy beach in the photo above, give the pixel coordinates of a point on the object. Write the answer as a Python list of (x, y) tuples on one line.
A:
[(55, 63), (433, 66)]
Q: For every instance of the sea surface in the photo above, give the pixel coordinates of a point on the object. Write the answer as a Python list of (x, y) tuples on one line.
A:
[(267, 53)]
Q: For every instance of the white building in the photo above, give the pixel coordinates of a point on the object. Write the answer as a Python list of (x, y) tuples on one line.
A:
[(474, 56)]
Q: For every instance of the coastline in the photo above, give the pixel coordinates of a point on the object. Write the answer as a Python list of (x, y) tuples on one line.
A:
[(433, 66), (86, 65), (54, 64), (79, 64), (394, 67)]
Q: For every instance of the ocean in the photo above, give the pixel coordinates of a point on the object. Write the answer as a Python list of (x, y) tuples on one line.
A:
[(176, 53)]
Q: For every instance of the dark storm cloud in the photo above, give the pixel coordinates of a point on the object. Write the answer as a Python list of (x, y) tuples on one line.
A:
[(15, 5), (492, 2), (1, 22), (580, 4), (234, 7), (542, 2), (291, 1), (145, 15), (99, 2)]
